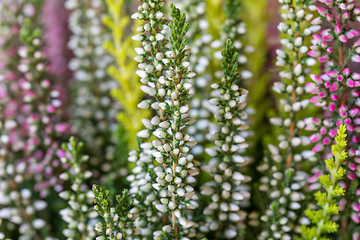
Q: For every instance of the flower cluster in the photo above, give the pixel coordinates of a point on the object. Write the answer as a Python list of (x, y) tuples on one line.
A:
[(285, 179), (176, 167), (326, 200), (227, 190), (79, 216), (94, 111), (151, 36)]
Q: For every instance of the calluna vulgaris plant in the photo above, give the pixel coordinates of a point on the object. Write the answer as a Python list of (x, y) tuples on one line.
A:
[(337, 93), (286, 179), (322, 218), (162, 109)]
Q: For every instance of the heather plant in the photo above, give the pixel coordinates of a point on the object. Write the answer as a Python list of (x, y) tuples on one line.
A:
[(31, 118), (79, 214), (94, 111), (322, 218), (124, 72), (178, 98), (224, 216), (336, 92), (285, 179), (168, 154)]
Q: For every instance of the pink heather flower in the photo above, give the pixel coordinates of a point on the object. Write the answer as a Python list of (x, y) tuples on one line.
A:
[(356, 207), (342, 202), (332, 133), (346, 71), (329, 2), (352, 166), (334, 87), (342, 6), (334, 97), (357, 43), (61, 127), (317, 38), (338, 122), (315, 99), (316, 121), (327, 38), (315, 78), (317, 148), (315, 177), (323, 59), (313, 54), (354, 112), (350, 34), (355, 217), (51, 109), (322, 11), (337, 29), (315, 91), (323, 131), (342, 38), (329, 17), (326, 141), (314, 138), (316, 21), (332, 73), (322, 94), (356, 58)]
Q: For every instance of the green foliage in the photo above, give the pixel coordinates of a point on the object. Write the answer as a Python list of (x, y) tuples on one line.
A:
[(232, 9), (27, 34), (177, 38), (74, 149), (128, 93), (329, 206), (229, 64), (116, 219)]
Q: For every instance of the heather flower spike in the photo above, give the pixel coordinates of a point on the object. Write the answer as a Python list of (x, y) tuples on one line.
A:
[(284, 176), (327, 201), (165, 76), (223, 215), (94, 112), (79, 214)]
